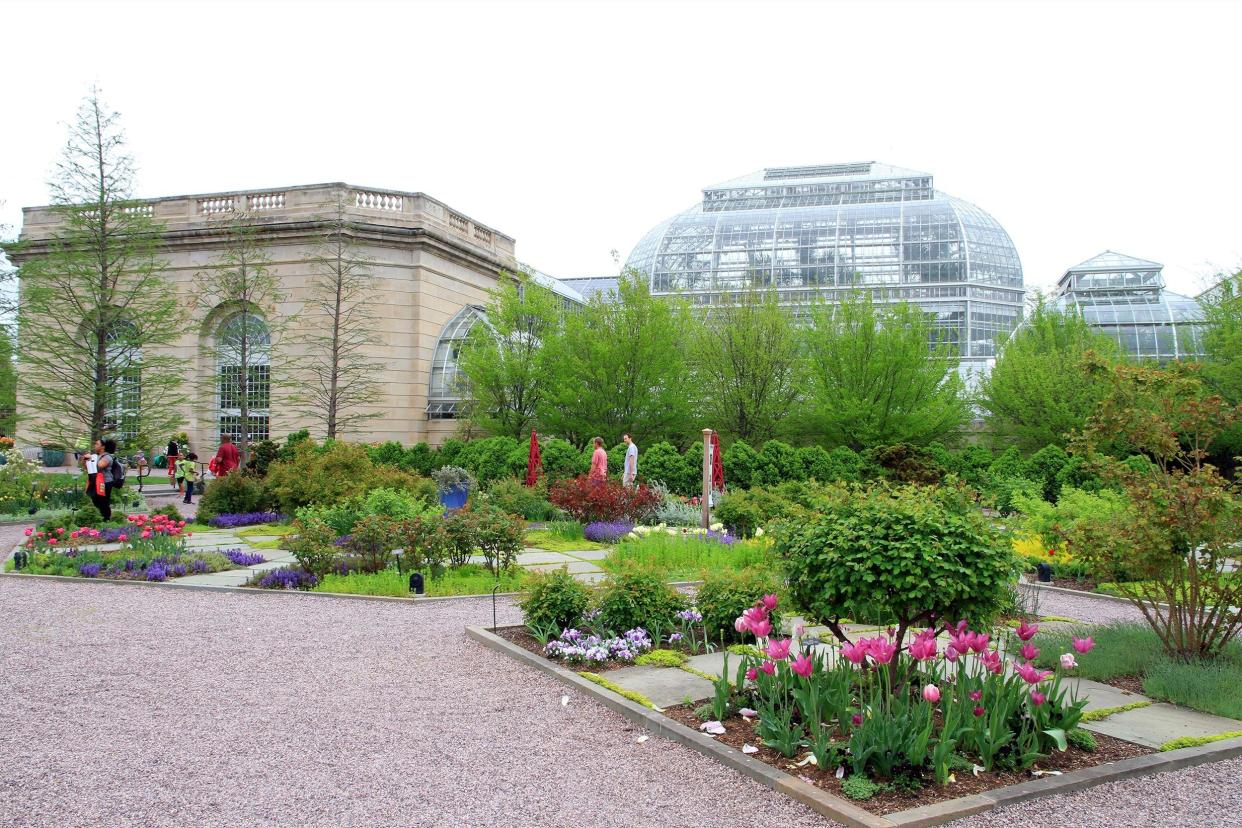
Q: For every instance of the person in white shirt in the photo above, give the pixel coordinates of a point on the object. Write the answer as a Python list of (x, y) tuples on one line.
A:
[(630, 472)]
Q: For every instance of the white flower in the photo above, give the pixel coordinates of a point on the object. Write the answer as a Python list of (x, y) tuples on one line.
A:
[(717, 527), (1067, 661), (759, 532)]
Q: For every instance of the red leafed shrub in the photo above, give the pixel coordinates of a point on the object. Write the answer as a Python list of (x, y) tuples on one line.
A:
[(587, 502)]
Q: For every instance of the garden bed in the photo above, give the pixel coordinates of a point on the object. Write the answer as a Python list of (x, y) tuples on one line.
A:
[(740, 731)]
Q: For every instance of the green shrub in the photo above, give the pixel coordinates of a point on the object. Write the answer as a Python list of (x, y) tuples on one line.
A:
[(1045, 467), (237, 492), (1004, 493), (489, 459), (420, 459), (662, 462), (740, 462), (262, 454), (424, 544), (1082, 739), (497, 535), (312, 545), (778, 462), (516, 498), (389, 453), (724, 595), (396, 504), (450, 453), (817, 464), (337, 472), (743, 511), (913, 551), (637, 598), (851, 466), (168, 510), (340, 516), (661, 658), (459, 536), (293, 442), (559, 458), (904, 463), (1052, 523), (554, 601), (372, 541)]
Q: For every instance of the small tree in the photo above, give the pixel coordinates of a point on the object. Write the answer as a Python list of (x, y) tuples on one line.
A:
[(1222, 347), (241, 290), (506, 362), (746, 358), (872, 379), (1186, 517), (8, 383), (340, 332), (1038, 394), (95, 311)]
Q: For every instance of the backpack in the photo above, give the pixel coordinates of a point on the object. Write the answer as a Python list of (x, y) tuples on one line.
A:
[(118, 472)]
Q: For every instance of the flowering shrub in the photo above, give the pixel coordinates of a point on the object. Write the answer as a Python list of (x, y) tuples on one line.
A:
[(287, 578), (241, 558), (236, 519), (589, 502), (724, 595), (996, 719), (606, 532), (575, 646)]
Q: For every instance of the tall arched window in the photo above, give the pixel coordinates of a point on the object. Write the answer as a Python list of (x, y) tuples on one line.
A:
[(123, 366), (444, 390), (243, 373)]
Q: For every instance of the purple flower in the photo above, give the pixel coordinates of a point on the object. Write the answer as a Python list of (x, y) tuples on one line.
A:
[(233, 520), (90, 570), (606, 532), (240, 558), (198, 565), (288, 578), (723, 538), (156, 572)]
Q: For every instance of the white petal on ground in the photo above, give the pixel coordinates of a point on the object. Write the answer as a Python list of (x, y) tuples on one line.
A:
[(840, 771), (564, 701), (749, 749), (642, 739), (715, 728)]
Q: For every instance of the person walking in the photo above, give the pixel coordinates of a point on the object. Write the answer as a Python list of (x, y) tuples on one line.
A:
[(599, 463), (99, 466), (187, 470), (174, 451), (226, 458), (630, 472)]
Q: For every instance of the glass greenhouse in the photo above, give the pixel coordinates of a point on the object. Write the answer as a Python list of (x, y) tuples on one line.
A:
[(1125, 298), (823, 231)]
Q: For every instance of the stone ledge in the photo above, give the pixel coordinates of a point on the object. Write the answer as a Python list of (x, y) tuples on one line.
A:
[(841, 810)]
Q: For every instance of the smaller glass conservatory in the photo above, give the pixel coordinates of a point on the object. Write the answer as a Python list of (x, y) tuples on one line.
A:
[(1125, 298)]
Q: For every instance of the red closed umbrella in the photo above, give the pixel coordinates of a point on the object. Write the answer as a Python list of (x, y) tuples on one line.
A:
[(534, 463), (717, 465)]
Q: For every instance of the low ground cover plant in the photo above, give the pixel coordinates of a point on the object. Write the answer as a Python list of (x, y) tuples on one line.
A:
[(686, 557)]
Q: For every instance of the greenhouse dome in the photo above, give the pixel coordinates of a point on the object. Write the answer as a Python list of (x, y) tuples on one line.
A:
[(1125, 298), (821, 232)]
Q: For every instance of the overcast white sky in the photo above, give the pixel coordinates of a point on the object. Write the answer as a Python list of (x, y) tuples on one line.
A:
[(575, 127)]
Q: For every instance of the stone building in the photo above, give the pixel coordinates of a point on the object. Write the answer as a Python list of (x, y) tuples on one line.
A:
[(433, 268)]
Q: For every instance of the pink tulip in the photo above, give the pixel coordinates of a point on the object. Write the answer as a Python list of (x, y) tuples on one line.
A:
[(778, 650), (1027, 631), (975, 695), (961, 643), (923, 648), (881, 650), (741, 625), (1029, 651), (52, 541), (856, 719), (769, 602), (1067, 661), (122, 538), (1038, 697), (1031, 675), (802, 665), (60, 530), (856, 653), (950, 653), (979, 642), (761, 628), (1084, 645), (29, 531), (931, 693), (978, 711), (992, 662), (752, 674), (768, 667)]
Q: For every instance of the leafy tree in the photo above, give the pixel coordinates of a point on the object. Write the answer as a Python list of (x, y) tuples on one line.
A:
[(745, 357), (1187, 519), (873, 381), (97, 315), (243, 290), (8, 383), (339, 335), (1038, 394), (620, 368), (1222, 346), (507, 362)]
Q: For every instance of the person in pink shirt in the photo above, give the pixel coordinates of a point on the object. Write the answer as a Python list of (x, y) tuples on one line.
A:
[(227, 458), (599, 463)]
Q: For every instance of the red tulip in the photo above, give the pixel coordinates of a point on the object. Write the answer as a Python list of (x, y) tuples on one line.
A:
[(978, 711)]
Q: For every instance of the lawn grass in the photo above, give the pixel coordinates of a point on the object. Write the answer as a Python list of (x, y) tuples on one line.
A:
[(1133, 649), (267, 529), (200, 527), (470, 579), (685, 558), (544, 539)]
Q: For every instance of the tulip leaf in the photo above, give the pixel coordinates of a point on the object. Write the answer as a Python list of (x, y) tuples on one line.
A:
[(1057, 735)]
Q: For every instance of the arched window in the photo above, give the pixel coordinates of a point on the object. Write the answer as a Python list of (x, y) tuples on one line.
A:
[(123, 366), (243, 372), (444, 391)]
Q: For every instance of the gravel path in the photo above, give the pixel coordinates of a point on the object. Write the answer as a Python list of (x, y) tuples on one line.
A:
[(141, 706), (1083, 607)]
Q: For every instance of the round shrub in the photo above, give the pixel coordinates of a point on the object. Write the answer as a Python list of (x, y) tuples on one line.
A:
[(724, 595), (336, 472), (312, 545), (371, 542), (817, 464), (778, 462), (389, 453), (237, 492), (419, 458), (637, 598), (664, 463), (740, 463), (516, 498), (918, 554), (554, 601), (559, 457), (489, 459)]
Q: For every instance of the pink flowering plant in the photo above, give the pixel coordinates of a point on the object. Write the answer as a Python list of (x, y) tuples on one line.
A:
[(886, 710)]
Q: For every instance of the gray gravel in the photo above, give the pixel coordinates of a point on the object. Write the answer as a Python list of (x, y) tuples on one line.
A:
[(1084, 607), (137, 706)]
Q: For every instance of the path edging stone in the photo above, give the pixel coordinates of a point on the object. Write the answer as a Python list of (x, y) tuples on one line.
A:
[(842, 810)]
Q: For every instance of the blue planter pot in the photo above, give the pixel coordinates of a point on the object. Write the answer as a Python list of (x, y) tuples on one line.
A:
[(453, 498)]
